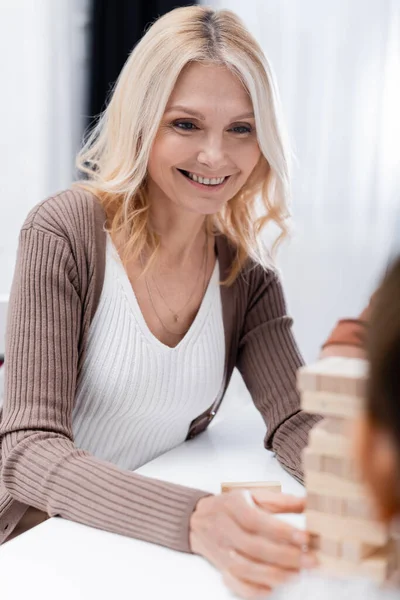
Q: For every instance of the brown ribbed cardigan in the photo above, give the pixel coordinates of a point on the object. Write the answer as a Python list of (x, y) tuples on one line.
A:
[(54, 295)]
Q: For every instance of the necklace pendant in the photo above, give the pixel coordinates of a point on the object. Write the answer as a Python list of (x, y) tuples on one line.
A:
[(176, 318)]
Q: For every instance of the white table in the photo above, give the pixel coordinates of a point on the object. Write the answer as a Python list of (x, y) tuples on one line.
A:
[(63, 560)]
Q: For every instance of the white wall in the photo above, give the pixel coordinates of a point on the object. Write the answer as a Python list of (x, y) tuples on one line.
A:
[(337, 64), (44, 54)]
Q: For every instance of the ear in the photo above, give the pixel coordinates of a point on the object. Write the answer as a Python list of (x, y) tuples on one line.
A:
[(377, 456)]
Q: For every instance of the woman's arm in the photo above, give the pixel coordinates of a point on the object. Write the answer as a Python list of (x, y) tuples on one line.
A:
[(268, 361), (41, 466)]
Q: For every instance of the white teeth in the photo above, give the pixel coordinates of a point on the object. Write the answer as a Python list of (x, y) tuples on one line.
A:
[(206, 180)]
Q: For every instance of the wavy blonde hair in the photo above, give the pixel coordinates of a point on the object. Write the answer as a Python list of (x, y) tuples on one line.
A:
[(114, 157)]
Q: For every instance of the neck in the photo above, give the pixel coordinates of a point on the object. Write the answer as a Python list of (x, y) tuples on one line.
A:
[(182, 233)]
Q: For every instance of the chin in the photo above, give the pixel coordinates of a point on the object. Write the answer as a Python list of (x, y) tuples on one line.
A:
[(208, 207)]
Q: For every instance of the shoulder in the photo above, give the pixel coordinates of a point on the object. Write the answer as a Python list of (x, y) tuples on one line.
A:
[(315, 587), (69, 214), (73, 218)]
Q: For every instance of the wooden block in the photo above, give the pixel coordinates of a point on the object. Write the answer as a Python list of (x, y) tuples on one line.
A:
[(359, 508), (332, 505), (340, 467), (325, 504), (330, 404), (312, 461), (356, 551), (377, 567), (350, 470), (271, 486), (337, 487), (306, 380), (333, 465), (339, 426), (313, 502), (322, 441), (337, 384), (330, 547), (343, 528), (335, 374)]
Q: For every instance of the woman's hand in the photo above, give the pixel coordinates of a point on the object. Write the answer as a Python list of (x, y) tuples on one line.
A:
[(254, 550)]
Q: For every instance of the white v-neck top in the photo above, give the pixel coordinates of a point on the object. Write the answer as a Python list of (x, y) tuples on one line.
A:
[(136, 397)]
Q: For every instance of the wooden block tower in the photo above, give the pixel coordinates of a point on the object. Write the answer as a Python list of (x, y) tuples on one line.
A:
[(346, 535)]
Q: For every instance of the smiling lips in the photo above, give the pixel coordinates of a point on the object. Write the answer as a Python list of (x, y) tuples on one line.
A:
[(214, 182)]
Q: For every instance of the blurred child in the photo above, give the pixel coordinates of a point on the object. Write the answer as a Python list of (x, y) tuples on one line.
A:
[(377, 445)]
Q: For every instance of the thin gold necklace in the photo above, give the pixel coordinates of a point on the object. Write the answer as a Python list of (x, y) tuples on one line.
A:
[(180, 333), (175, 313)]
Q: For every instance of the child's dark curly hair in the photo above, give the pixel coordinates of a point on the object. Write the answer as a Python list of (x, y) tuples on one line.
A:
[(383, 346)]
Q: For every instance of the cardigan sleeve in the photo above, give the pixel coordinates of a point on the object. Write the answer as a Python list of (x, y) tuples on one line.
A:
[(41, 466), (268, 360)]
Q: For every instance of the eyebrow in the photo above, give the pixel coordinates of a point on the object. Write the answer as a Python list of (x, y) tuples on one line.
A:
[(194, 113)]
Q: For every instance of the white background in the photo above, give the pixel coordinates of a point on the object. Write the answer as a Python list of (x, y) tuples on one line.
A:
[(43, 64), (337, 64)]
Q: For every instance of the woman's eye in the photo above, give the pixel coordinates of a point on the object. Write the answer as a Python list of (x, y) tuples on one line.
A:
[(189, 126), (242, 129), (184, 125)]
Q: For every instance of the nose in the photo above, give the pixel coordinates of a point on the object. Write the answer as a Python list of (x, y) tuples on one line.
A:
[(212, 154)]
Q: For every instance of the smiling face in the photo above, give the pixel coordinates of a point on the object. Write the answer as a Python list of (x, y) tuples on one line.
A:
[(206, 146)]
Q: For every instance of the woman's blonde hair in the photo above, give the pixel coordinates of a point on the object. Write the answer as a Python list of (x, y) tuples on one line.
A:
[(115, 156)]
